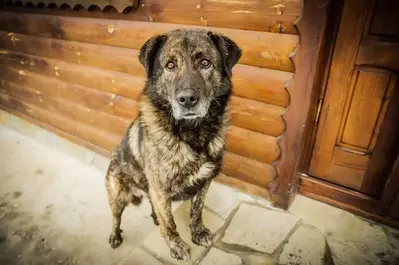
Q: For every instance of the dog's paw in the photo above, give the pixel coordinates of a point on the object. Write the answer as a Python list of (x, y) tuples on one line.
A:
[(180, 250), (115, 240), (202, 238)]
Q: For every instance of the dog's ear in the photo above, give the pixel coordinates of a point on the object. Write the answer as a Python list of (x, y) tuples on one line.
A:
[(148, 52), (228, 49)]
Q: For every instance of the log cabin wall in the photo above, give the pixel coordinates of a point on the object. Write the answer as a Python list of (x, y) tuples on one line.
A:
[(76, 72)]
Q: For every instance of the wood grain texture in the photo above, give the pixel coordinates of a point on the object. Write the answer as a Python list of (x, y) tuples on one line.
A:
[(298, 118), (260, 15), (385, 152), (112, 58), (378, 53), (368, 96), (72, 110), (243, 186), (338, 87), (72, 138), (256, 116), (245, 78), (247, 114), (261, 49), (248, 170), (252, 144), (89, 98), (84, 131)]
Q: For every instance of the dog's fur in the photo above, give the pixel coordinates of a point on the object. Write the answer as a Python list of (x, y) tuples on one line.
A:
[(170, 152)]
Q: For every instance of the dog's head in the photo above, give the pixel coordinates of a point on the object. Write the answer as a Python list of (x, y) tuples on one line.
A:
[(188, 71)]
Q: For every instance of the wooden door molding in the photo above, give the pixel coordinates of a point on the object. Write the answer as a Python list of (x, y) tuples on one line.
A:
[(299, 116)]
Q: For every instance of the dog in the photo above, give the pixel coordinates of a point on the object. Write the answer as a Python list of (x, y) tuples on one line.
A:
[(175, 147)]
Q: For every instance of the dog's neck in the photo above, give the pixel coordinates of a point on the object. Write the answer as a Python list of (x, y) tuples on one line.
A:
[(196, 133)]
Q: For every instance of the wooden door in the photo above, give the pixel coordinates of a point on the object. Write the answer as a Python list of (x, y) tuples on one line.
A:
[(357, 137)]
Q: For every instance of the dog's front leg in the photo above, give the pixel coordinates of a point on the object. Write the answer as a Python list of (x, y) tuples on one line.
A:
[(199, 233), (162, 206)]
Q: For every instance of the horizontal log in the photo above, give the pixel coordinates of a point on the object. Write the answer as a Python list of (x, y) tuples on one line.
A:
[(243, 186), (90, 134), (72, 138), (247, 114), (262, 15), (87, 97), (246, 82), (256, 116), (100, 56), (251, 144), (109, 81), (76, 112), (262, 49), (240, 167), (261, 84), (248, 170)]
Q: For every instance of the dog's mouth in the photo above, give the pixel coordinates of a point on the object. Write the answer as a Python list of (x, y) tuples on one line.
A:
[(190, 116)]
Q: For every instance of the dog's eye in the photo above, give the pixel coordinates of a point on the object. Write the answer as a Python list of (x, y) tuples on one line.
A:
[(170, 65), (205, 63)]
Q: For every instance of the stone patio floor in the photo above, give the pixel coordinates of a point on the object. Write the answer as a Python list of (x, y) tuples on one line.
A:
[(53, 210)]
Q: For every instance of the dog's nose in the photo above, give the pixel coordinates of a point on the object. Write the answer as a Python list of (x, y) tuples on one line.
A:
[(187, 98)]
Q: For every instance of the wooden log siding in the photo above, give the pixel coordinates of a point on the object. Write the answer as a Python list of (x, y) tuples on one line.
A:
[(260, 15), (83, 84), (262, 49), (245, 78)]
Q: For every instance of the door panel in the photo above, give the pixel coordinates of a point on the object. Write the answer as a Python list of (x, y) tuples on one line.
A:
[(362, 79), (364, 107)]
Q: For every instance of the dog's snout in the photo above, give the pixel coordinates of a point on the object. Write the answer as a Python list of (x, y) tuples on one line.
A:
[(187, 98)]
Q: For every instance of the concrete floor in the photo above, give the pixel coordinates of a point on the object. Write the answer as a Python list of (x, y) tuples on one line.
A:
[(53, 210)]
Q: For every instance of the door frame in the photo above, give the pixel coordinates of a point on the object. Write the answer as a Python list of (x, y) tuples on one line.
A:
[(318, 29), (316, 40)]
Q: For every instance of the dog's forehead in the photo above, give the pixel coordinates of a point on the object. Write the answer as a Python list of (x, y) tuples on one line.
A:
[(187, 40)]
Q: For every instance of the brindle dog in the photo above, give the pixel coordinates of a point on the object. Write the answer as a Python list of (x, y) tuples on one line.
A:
[(175, 147)]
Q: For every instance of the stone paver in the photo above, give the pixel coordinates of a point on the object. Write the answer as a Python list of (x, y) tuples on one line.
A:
[(367, 236), (347, 254), (260, 260), (310, 212), (258, 228), (307, 246), (219, 257), (140, 257), (221, 199), (156, 244)]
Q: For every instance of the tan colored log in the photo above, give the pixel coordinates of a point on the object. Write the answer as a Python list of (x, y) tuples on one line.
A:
[(100, 56), (84, 96), (243, 186), (76, 112), (261, 84), (248, 170), (260, 15), (262, 49), (257, 116), (84, 131), (248, 82), (252, 144), (248, 114)]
